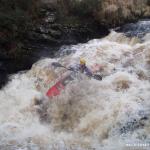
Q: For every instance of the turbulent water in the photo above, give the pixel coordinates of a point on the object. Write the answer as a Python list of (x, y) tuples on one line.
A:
[(138, 29), (112, 114)]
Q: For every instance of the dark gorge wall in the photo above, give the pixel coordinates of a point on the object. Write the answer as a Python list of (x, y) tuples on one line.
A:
[(26, 24), (16, 19)]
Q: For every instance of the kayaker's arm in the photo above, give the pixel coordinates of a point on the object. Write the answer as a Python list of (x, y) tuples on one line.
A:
[(88, 72)]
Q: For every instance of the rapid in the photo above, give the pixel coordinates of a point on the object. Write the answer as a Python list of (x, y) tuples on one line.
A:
[(112, 114)]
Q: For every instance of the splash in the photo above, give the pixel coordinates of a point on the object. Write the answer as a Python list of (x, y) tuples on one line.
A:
[(89, 114)]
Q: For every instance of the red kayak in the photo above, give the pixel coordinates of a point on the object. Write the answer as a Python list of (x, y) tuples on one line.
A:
[(59, 86)]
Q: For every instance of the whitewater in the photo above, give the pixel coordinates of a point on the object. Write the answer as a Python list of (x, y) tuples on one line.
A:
[(112, 114)]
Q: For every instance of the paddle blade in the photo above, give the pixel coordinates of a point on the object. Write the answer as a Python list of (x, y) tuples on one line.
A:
[(97, 77), (56, 64)]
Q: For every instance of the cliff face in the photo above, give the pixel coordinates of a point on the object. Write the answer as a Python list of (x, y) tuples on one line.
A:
[(16, 18), (61, 21)]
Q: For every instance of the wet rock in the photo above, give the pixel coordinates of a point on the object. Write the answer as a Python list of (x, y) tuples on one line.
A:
[(55, 26), (43, 38), (55, 33), (50, 18)]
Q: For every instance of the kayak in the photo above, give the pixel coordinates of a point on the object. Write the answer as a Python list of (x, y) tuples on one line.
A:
[(56, 89), (59, 86)]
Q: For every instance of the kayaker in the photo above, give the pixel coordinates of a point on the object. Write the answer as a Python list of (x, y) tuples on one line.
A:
[(82, 68)]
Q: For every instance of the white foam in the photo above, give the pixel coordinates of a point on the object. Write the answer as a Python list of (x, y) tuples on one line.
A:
[(89, 113)]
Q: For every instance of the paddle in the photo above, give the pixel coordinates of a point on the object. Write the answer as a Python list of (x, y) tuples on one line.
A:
[(95, 76), (56, 64)]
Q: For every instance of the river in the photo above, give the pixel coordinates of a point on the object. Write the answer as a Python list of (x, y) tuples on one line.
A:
[(112, 114)]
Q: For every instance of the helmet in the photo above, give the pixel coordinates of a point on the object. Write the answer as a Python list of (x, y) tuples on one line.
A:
[(82, 61)]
